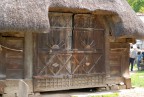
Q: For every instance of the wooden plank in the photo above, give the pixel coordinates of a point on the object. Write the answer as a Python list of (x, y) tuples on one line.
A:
[(87, 21), (115, 70), (118, 45), (28, 59), (107, 44), (71, 54), (53, 84), (2, 66), (60, 19), (119, 56), (125, 62), (12, 54), (125, 40), (14, 73)]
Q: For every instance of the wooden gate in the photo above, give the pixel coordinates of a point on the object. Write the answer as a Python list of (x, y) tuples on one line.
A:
[(70, 56)]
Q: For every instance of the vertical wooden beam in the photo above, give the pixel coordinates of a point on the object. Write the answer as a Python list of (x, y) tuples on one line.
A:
[(107, 53), (2, 65), (125, 61), (107, 46), (69, 46), (28, 55)]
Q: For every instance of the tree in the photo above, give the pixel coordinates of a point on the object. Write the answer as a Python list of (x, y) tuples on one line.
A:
[(137, 5)]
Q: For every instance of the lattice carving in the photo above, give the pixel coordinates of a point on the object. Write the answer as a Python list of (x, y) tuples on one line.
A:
[(71, 55), (50, 84), (63, 64)]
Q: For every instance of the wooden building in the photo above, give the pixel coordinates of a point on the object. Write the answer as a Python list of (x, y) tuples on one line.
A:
[(48, 45)]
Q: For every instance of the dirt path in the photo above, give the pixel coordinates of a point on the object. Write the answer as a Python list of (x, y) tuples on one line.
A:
[(136, 92)]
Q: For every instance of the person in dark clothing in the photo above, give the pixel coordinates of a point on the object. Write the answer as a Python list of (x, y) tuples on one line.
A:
[(143, 55), (139, 59)]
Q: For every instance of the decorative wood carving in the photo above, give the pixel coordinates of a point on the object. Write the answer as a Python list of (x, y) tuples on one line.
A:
[(71, 54)]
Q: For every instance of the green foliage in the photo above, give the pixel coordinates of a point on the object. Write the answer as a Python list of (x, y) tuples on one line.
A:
[(137, 5), (141, 10)]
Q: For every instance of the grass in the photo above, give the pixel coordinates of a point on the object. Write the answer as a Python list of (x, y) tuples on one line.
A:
[(137, 79), (103, 95), (106, 95)]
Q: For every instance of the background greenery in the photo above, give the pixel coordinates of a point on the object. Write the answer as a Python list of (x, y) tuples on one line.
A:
[(137, 79), (137, 5)]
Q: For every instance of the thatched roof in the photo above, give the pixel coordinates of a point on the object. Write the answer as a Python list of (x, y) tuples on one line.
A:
[(32, 15), (23, 16)]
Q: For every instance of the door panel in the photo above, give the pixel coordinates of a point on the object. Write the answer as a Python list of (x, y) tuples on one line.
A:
[(71, 55), (87, 21), (12, 53)]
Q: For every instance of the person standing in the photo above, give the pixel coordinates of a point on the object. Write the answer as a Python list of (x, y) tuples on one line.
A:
[(139, 59), (133, 56)]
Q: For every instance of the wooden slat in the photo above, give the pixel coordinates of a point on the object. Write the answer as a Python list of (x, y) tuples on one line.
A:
[(70, 54), (119, 59), (12, 50), (14, 73), (115, 70)]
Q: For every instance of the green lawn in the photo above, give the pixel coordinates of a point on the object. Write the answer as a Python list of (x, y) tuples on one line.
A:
[(103, 95), (137, 79), (106, 95)]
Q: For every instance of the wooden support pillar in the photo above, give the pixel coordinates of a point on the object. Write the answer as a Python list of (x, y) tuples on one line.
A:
[(128, 82), (107, 46), (107, 53), (28, 55), (125, 63)]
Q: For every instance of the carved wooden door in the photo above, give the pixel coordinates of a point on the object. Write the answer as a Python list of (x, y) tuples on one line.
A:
[(70, 56)]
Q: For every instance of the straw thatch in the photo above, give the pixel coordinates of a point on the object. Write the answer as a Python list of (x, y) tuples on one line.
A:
[(32, 15), (23, 16)]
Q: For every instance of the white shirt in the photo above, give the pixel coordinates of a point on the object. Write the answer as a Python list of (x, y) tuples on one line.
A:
[(133, 53)]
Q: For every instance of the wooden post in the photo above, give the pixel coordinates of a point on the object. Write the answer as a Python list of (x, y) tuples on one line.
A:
[(107, 51), (69, 46), (28, 55), (127, 82), (107, 47)]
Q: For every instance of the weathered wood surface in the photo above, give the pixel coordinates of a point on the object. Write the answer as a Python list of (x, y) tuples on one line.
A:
[(119, 59), (2, 86), (11, 56), (28, 53), (71, 55)]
